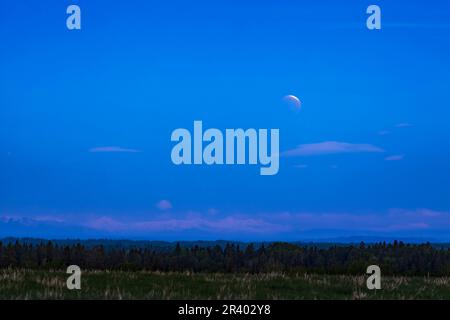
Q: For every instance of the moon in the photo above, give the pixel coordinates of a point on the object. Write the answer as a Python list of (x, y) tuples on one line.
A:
[(293, 101)]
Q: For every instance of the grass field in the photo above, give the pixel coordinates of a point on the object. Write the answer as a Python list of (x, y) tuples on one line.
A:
[(32, 284)]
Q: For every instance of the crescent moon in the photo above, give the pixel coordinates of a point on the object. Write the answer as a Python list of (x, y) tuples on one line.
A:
[(293, 100)]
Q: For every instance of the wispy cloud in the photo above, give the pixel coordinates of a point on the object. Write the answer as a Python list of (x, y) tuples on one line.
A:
[(403, 125), (113, 149), (412, 25), (398, 125), (164, 205), (383, 132), (330, 147), (396, 157)]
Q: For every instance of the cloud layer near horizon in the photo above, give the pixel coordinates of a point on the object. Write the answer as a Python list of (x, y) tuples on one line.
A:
[(278, 225)]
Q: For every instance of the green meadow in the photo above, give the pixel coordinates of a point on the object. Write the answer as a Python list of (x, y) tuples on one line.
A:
[(33, 284)]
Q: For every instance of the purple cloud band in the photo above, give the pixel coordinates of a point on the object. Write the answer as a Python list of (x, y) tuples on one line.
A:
[(330, 147), (396, 157), (263, 225), (113, 149)]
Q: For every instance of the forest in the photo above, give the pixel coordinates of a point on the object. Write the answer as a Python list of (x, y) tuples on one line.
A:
[(396, 258)]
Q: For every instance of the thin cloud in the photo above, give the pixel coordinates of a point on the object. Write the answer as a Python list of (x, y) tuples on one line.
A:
[(164, 205), (330, 147), (403, 125), (213, 211), (411, 25), (396, 157), (390, 220), (113, 149)]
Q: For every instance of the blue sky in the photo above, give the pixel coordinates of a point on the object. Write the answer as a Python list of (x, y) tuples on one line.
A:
[(368, 154)]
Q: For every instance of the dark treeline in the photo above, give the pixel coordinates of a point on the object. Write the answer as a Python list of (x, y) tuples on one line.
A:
[(393, 258)]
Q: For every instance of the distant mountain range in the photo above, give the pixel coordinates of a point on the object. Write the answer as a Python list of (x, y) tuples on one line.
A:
[(169, 245)]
